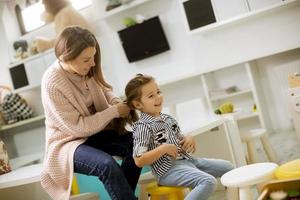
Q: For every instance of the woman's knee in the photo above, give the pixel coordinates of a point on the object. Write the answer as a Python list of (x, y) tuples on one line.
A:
[(108, 166)]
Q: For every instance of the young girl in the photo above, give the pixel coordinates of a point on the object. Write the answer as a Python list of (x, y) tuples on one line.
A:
[(159, 143)]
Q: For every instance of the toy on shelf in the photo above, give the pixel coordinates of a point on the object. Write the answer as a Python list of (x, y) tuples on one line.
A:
[(225, 108), (62, 14)]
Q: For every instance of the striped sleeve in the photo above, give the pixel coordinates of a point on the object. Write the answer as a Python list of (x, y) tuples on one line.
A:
[(141, 139)]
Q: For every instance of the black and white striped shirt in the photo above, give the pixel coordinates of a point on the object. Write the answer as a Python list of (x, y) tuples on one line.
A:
[(150, 132)]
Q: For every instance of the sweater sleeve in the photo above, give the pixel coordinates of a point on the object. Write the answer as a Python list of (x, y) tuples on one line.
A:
[(67, 118), (111, 97)]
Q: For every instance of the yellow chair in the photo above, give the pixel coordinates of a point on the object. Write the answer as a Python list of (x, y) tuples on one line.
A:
[(171, 193), (76, 195), (289, 170), (75, 188)]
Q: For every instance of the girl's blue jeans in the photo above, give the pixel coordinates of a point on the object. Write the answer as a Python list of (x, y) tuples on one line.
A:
[(94, 158), (198, 174)]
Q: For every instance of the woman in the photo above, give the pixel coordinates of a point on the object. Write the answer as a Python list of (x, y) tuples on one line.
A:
[(80, 108)]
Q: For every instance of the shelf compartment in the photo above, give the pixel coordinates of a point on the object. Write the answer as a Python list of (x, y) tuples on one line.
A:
[(122, 8), (284, 5), (247, 116), (22, 123), (26, 160), (216, 98)]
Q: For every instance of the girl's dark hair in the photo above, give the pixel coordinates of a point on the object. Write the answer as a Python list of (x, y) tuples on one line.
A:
[(71, 42), (133, 91)]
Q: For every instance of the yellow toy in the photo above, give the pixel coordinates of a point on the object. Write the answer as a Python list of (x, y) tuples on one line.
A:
[(225, 108)]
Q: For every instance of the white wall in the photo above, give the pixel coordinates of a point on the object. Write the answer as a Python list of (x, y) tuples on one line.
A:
[(254, 38), (257, 37), (273, 71), (4, 56)]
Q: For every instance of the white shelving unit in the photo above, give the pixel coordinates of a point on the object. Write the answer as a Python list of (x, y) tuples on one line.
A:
[(30, 70), (38, 118), (32, 158), (242, 18), (243, 100), (216, 98), (122, 8)]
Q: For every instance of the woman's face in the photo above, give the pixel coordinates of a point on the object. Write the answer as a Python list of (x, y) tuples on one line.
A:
[(83, 62)]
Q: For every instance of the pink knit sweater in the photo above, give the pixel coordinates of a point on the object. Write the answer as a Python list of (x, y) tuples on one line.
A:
[(68, 124)]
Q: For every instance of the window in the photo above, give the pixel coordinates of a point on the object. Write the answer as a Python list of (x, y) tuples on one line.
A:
[(29, 17)]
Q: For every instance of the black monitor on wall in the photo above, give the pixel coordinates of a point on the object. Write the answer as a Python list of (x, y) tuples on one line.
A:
[(199, 13), (18, 76), (144, 40)]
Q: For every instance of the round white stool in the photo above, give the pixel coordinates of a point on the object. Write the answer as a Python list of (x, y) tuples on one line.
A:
[(246, 176), (250, 137)]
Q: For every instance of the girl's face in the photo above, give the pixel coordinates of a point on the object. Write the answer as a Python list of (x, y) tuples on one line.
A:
[(151, 99), (83, 62)]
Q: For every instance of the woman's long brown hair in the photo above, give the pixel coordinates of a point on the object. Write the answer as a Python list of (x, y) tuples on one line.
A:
[(71, 42)]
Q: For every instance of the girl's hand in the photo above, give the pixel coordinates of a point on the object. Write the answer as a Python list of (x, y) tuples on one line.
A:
[(123, 109), (170, 149), (188, 144)]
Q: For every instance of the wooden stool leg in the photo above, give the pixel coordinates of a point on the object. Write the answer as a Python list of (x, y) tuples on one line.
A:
[(268, 149), (253, 158), (246, 193), (232, 193)]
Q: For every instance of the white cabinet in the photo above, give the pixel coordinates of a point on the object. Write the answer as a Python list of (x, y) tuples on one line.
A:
[(228, 9), (258, 4), (227, 13), (34, 70), (28, 73), (242, 91)]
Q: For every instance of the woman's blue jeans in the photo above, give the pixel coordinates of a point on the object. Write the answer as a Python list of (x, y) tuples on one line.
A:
[(94, 158)]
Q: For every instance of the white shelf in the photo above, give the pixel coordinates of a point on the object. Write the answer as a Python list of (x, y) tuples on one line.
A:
[(216, 98), (284, 5), (247, 116), (26, 88), (21, 176), (22, 123), (25, 160), (18, 62), (123, 8)]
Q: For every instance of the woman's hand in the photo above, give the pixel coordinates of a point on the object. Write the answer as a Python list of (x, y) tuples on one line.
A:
[(170, 149), (116, 100), (123, 109), (188, 144)]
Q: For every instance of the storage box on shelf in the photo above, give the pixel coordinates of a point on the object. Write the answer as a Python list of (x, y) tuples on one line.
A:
[(288, 186)]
